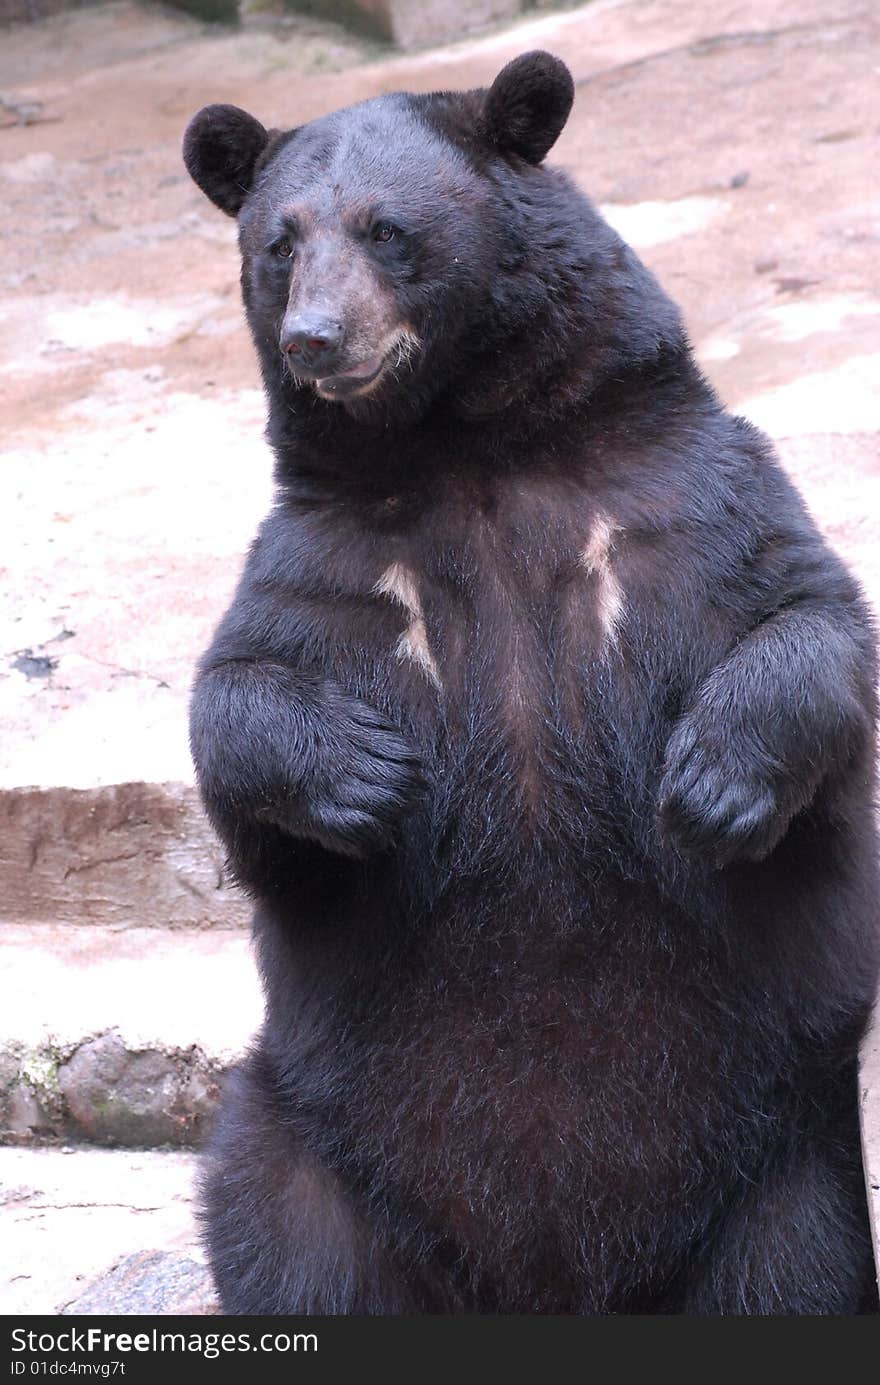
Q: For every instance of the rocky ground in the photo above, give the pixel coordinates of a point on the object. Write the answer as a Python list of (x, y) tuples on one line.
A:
[(74, 1222), (734, 145)]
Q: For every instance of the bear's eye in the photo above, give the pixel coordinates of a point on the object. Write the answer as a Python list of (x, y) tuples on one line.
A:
[(284, 248), (384, 232)]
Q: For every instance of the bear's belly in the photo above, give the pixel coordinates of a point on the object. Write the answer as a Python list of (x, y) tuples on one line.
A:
[(539, 1126), (535, 1071)]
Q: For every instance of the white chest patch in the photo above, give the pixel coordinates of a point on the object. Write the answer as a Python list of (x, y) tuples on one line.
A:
[(398, 583), (596, 560)]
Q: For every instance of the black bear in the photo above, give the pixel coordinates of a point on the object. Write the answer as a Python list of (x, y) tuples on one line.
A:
[(540, 729)]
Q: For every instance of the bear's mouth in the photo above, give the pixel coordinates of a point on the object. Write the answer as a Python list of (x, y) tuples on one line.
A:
[(353, 380)]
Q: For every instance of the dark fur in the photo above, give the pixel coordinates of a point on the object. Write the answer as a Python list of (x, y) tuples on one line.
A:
[(566, 962)]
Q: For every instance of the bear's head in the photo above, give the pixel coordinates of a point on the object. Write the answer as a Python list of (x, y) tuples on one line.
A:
[(383, 247)]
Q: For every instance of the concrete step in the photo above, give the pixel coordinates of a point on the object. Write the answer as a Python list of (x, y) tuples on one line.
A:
[(95, 1231), (119, 854), (120, 1036)]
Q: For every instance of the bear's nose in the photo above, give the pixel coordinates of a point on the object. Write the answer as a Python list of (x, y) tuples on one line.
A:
[(310, 340)]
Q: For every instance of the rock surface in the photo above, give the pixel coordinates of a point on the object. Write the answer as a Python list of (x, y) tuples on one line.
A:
[(113, 1096), (128, 855), (150, 1281)]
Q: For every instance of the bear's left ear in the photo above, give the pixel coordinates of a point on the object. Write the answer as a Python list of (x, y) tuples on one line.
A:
[(220, 149), (528, 104)]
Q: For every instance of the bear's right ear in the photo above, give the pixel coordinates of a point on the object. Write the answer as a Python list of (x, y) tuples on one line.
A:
[(527, 105), (220, 149)]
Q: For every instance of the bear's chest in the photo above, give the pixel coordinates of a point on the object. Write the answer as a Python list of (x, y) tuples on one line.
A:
[(508, 649), (507, 615)]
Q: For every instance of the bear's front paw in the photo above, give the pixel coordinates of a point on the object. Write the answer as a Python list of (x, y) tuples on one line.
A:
[(363, 778), (718, 799)]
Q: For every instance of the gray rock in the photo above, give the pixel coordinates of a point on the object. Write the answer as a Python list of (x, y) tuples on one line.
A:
[(114, 1096), (22, 1116), (150, 1281), (31, 1105)]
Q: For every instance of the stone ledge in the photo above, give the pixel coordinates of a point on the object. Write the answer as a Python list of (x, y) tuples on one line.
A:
[(137, 855)]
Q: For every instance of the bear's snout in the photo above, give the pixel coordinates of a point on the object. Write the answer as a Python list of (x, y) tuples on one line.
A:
[(312, 342)]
